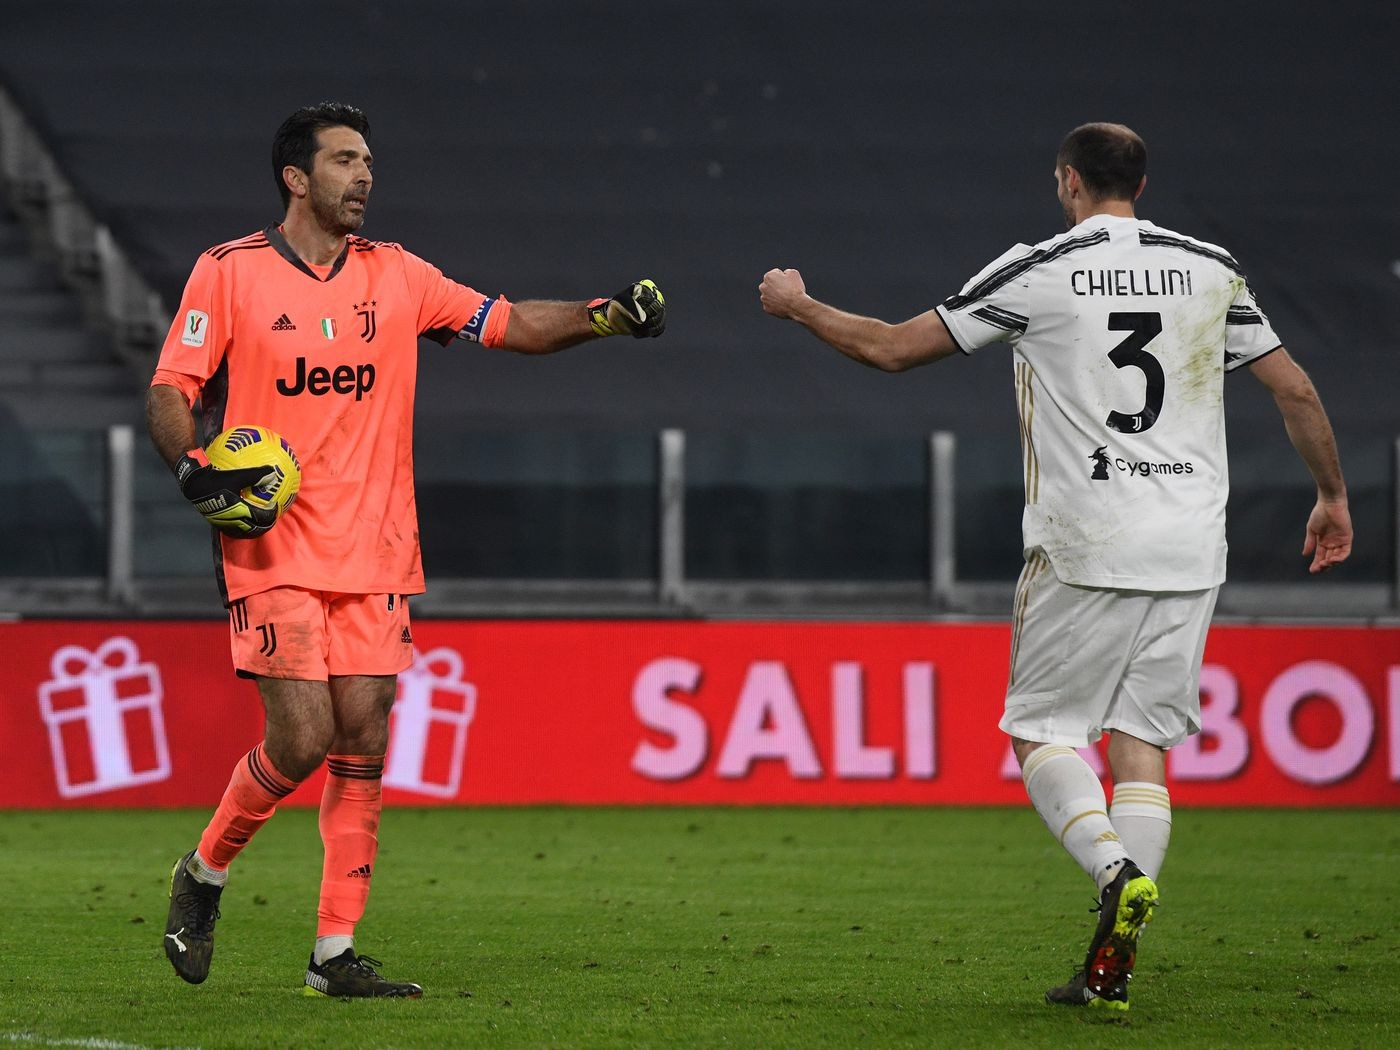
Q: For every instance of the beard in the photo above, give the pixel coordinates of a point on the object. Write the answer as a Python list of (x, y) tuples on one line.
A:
[(1069, 214), (334, 214)]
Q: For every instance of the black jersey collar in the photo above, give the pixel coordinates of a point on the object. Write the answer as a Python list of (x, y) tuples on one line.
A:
[(278, 241)]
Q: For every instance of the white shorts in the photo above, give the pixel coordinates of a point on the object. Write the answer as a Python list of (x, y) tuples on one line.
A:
[(1088, 660)]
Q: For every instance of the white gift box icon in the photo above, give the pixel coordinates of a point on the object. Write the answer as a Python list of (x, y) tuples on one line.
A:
[(102, 709), (428, 736)]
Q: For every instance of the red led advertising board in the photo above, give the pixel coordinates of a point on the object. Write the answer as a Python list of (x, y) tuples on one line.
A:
[(111, 713)]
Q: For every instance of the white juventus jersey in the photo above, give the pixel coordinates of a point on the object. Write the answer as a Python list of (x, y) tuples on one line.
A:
[(1122, 333)]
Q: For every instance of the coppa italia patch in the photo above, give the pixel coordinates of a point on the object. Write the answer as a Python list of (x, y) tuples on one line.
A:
[(328, 327), (196, 328)]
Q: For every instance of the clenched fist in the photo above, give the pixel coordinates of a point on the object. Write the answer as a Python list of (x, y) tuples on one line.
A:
[(781, 291)]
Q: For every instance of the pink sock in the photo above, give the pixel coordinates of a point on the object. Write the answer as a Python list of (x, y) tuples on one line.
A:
[(250, 798), (350, 807)]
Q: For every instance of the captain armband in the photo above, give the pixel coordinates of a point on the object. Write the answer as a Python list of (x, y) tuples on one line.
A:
[(488, 325)]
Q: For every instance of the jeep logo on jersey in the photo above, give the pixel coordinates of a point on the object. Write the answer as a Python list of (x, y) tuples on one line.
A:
[(342, 379)]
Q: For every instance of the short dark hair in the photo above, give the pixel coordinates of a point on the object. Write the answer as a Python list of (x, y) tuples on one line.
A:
[(295, 141), (1110, 158)]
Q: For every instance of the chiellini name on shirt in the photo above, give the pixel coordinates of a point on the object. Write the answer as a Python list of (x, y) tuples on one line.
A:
[(1130, 282)]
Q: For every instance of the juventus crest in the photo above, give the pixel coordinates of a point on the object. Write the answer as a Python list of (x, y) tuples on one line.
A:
[(365, 311)]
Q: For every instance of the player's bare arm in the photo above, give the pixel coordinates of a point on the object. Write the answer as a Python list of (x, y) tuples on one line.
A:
[(171, 425), (540, 326), (1329, 533), (878, 344)]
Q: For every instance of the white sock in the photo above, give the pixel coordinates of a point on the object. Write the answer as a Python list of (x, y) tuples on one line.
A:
[(199, 868), (330, 947), (1069, 798), (1142, 813)]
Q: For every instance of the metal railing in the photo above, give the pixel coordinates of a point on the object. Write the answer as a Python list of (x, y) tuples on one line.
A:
[(670, 593)]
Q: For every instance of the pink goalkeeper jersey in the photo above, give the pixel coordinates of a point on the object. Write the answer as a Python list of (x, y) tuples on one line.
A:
[(329, 361)]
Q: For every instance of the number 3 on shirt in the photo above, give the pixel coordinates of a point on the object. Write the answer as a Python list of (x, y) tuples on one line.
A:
[(1144, 328)]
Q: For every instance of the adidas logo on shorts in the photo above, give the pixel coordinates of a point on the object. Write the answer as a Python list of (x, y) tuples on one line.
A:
[(406, 638), (283, 324), (362, 872)]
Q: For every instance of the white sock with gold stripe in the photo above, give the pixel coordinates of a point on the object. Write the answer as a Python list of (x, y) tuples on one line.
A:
[(1069, 798), (1142, 813)]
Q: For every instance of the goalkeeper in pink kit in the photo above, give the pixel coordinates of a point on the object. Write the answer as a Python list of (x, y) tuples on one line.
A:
[(311, 331)]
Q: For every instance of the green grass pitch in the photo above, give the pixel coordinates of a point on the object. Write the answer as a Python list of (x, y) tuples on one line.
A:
[(708, 927)]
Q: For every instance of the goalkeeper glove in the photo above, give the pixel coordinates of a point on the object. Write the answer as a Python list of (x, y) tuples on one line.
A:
[(639, 310), (216, 494)]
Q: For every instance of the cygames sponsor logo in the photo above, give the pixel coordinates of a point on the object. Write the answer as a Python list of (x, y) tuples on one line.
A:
[(1143, 468), (1104, 462)]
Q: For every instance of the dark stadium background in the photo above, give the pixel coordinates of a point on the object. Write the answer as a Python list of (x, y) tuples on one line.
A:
[(733, 775), (562, 149)]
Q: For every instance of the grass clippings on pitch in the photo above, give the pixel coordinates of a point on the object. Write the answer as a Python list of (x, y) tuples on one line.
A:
[(701, 927)]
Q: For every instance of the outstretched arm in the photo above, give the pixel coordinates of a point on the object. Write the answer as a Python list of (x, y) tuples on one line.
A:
[(541, 326), (1329, 534), (888, 347)]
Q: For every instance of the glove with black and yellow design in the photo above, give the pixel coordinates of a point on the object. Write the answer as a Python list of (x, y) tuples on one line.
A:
[(639, 310), (217, 494)]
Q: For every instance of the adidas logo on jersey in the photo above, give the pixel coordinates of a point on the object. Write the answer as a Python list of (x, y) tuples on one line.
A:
[(362, 872), (283, 324)]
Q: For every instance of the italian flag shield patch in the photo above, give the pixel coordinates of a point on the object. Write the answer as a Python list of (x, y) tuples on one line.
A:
[(328, 327)]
